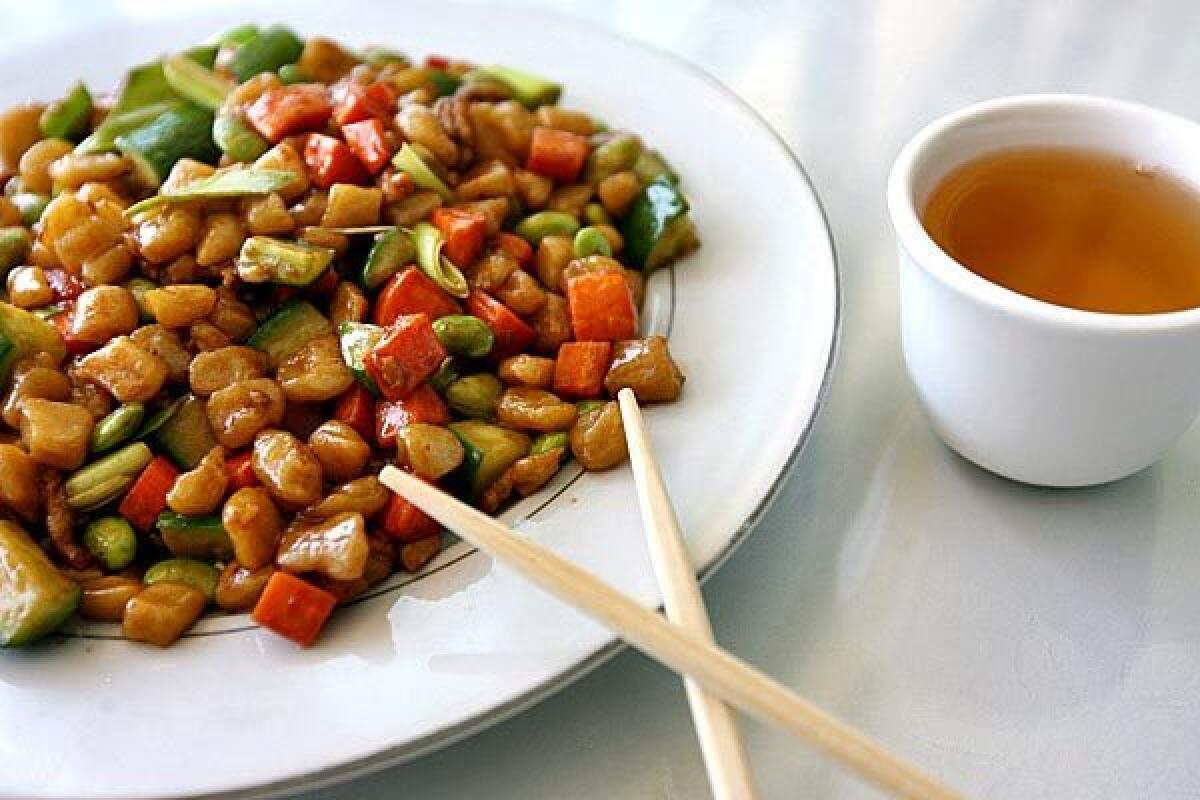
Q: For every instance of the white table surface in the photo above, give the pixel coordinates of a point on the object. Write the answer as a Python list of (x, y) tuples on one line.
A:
[(1021, 643)]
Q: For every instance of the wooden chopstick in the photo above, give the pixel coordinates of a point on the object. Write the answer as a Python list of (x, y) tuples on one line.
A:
[(716, 726), (721, 673)]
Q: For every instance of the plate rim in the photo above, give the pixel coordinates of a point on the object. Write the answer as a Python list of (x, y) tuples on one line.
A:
[(398, 755)]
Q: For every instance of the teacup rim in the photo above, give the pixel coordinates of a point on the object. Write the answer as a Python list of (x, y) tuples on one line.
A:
[(912, 236)]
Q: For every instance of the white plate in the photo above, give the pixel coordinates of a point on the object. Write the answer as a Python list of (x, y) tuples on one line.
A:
[(234, 711)]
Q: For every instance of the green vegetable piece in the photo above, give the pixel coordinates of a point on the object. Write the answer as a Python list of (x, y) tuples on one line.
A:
[(391, 250), (530, 90), (289, 329), (104, 138), (464, 335), (537, 226), (15, 242), (117, 427), (549, 441), (138, 288), (238, 140), (475, 396), (179, 133), (45, 312), (231, 183), (618, 152), (357, 340), (186, 436), (187, 571), (443, 82), (584, 406), (238, 35), (267, 52), (651, 165), (112, 541), (412, 165), (35, 598), (291, 73), (265, 259), (380, 56), (488, 451), (26, 334), (203, 54), (95, 484), (429, 242), (69, 117), (594, 214), (31, 205), (447, 373), (591, 242), (202, 86), (202, 537), (7, 350), (160, 418), (657, 228)]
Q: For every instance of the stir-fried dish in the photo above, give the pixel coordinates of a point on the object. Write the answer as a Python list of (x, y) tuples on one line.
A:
[(264, 268)]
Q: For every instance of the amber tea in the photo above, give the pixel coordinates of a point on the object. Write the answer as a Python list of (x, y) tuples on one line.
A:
[(1076, 228)]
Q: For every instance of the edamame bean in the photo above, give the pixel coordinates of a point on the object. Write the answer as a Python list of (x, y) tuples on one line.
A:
[(14, 246), (100, 493), (475, 396), (118, 426), (464, 335), (537, 226), (187, 571), (619, 152), (549, 441), (31, 205), (592, 242), (594, 214), (112, 541), (106, 478), (291, 73), (584, 406)]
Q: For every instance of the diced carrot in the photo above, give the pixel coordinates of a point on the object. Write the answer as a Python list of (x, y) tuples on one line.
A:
[(285, 110), (63, 323), (411, 292), (404, 521), (66, 287), (557, 154), (240, 469), (356, 408), (464, 232), (580, 368), (354, 103), (601, 307), (407, 353), (293, 608), (330, 161), (422, 406), (147, 497), (437, 62), (515, 246), (366, 139), (512, 333)]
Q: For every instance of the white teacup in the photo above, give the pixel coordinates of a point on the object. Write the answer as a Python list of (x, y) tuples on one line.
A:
[(1027, 389)]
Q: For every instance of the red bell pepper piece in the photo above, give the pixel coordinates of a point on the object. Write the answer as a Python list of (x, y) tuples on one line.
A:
[(293, 608), (424, 406), (366, 139), (464, 232), (63, 323), (147, 497), (66, 287), (330, 161), (403, 521), (437, 62), (410, 291), (580, 368), (557, 154), (515, 246), (407, 353), (240, 469), (285, 110), (512, 333), (354, 102), (356, 408), (601, 307)]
